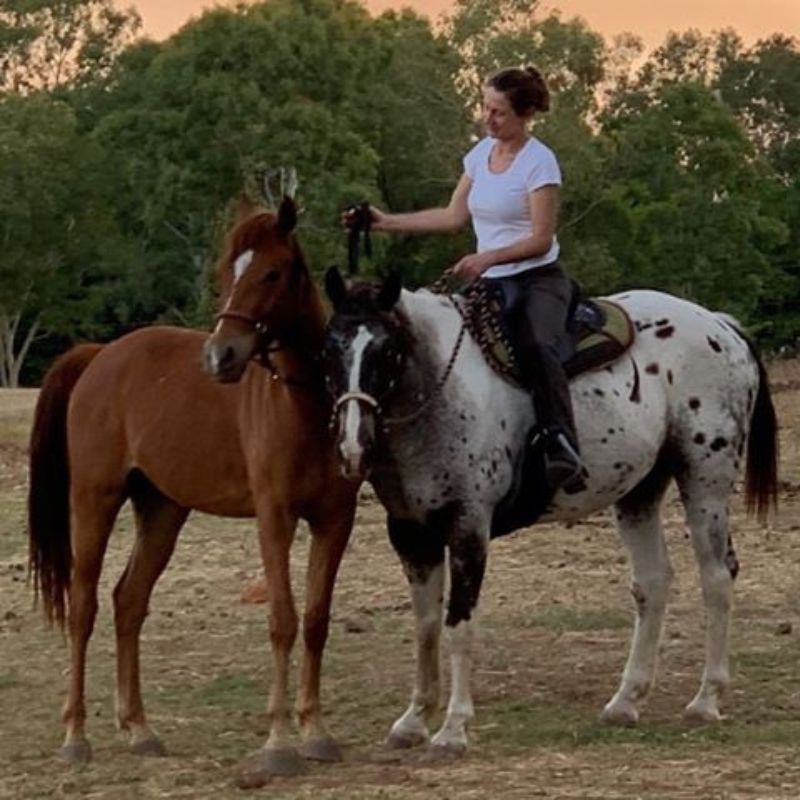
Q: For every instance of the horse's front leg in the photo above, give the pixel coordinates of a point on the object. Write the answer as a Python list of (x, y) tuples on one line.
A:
[(329, 538), (279, 755), (421, 551), (469, 545)]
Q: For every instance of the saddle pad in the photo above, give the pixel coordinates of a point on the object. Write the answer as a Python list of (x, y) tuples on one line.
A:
[(596, 348), (591, 340)]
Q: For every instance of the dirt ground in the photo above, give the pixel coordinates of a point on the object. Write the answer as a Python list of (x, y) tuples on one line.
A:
[(555, 621)]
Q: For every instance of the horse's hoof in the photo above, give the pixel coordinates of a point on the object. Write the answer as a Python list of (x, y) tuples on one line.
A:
[(623, 715), (324, 748), (256, 770), (405, 740), (700, 714), (151, 746), (78, 752), (451, 751)]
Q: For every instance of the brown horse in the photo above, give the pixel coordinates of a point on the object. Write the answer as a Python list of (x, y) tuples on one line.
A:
[(138, 419)]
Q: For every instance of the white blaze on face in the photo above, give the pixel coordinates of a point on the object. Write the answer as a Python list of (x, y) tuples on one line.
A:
[(241, 264), (350, 447), (243, 261)]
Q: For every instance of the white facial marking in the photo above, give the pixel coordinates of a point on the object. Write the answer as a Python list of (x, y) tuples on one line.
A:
[(241, 264), (350, 446)]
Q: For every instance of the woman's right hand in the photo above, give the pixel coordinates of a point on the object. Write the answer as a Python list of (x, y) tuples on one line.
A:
[(378, 218)]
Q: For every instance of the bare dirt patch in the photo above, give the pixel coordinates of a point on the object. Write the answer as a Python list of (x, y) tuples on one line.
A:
[(555, 627)]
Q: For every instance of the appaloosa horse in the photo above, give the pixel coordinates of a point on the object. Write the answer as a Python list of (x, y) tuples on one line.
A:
[(138, 419), (441, 437)]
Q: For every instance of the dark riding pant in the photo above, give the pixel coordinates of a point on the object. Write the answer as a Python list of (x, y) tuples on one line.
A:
[(539, 301)]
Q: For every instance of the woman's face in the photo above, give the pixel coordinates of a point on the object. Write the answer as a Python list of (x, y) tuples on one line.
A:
[(502, 122)]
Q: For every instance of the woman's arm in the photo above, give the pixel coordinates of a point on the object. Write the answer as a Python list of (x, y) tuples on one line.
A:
[(543, 205), (431, 220)]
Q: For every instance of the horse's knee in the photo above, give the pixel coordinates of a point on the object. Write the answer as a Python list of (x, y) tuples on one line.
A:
[(651, 593), (315, 631), (283, 629), (467, 566)]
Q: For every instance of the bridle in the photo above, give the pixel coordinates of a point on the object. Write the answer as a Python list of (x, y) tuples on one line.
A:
[(377, 404), (265, 346)]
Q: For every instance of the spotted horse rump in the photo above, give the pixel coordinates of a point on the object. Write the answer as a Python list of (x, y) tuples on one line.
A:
[(420, 413)]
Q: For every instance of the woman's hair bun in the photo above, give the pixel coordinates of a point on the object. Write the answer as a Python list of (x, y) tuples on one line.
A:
[(525, 88)]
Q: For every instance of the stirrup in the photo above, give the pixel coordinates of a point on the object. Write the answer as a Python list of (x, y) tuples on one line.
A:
[(564, 468)]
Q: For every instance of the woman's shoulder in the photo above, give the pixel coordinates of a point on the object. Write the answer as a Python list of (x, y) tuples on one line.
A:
[(481, 145), (477, 154), (539, 151)]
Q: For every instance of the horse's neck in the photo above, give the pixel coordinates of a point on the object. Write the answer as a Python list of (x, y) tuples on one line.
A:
[(435, 326), (303, 345)]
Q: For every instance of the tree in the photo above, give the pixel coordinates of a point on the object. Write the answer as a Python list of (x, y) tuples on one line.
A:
[(56, 231), (702, 226), (50, 45)]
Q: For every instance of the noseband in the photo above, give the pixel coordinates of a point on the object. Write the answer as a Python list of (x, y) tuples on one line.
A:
[(258, 325)]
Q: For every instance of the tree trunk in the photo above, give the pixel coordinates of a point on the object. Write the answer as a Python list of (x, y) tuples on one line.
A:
[(12, 355)]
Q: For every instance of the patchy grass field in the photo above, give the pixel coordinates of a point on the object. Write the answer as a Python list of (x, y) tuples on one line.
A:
[(555, 626)]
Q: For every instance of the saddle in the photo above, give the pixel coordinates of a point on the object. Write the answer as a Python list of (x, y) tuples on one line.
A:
[(598, 331)]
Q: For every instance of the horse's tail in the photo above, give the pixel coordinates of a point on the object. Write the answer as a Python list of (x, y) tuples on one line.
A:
[(49, 548), (761, 473), (761, 477)]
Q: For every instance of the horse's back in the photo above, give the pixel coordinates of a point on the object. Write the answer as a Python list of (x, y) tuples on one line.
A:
[(145, 403)]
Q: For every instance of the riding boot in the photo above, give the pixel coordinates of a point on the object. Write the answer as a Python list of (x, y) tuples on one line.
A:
[(555, 430), (562, 462)]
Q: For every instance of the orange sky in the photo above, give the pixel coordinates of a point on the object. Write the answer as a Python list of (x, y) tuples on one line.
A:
[(751, 18)]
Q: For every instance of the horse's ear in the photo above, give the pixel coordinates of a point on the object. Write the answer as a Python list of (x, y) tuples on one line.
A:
[(287, 215), (389, 293), (244, 207), (335, 287)]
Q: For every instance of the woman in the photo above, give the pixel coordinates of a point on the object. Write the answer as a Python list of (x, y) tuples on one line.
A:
[(509, 190)]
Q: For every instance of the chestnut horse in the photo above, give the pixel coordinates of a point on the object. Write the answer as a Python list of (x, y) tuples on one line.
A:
[(138, 419)]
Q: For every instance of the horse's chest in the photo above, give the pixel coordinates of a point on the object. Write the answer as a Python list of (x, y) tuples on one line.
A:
[(460, 462)]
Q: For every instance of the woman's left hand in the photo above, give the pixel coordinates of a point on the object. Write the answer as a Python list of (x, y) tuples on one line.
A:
[(472, 266)]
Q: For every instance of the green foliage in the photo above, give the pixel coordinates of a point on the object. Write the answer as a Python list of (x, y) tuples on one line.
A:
[(120, 158)]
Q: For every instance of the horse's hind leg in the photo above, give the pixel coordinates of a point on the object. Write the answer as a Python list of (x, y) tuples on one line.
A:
[(93, 515), (706, 492), (158, 521), (639, 525)]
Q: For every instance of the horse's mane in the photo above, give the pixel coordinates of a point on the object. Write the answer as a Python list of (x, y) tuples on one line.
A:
[(362, 303)]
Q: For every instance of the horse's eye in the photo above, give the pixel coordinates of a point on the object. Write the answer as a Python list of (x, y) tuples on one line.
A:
[(272, 276)]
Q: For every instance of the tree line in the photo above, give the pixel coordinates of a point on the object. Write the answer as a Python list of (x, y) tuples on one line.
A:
[(120, 157)]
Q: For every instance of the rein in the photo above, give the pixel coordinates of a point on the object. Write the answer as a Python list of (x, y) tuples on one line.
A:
[(437, 389)]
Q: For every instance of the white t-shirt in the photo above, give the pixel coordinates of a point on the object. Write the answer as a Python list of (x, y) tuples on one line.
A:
[(498, 203)]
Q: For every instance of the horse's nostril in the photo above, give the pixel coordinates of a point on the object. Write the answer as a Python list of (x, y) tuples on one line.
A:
[(228, 357)]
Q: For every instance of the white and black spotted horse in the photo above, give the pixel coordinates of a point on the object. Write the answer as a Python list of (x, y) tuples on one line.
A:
[(440, 436)]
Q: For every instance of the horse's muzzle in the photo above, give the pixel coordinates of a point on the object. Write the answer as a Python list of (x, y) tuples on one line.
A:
[(225, 360)]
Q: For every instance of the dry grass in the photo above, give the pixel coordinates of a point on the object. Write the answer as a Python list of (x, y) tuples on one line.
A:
[(555, 627)]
